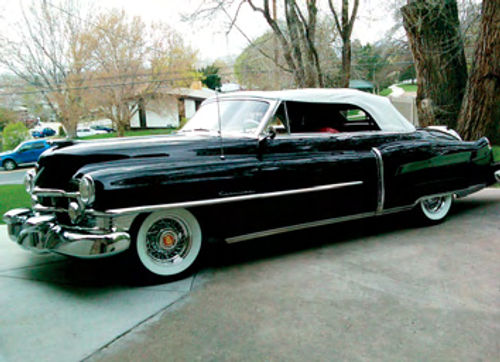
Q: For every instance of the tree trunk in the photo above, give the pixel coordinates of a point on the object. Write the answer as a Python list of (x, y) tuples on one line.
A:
[(120, 128), (433, 31), (480, 112), (70, 126), (346, 62), (344, 27)]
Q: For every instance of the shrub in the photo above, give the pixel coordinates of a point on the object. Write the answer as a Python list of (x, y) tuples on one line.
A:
[(13, 134), (61, 131)]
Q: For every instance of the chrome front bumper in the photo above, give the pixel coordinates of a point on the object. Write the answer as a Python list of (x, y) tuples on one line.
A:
[(42, 234)]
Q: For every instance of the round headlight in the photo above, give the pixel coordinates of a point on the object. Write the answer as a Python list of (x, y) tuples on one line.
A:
[(28, 181), (87, 190)]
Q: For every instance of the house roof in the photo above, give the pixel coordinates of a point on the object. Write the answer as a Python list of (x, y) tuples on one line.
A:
[(201, 94), (380, 108)]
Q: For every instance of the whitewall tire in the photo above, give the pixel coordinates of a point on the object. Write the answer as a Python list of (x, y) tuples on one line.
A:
[(168, 242), (435, 209)]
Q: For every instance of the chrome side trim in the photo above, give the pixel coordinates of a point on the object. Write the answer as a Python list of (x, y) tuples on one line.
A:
[(335, 220), (223, 200), (469, 190), (54, 193), (285, 229), (381, 181)]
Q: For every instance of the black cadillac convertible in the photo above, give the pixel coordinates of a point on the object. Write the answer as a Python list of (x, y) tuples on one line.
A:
[(247, 165)]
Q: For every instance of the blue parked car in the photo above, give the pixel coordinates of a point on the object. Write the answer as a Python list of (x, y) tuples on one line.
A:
[(25, 153), (46, 132)]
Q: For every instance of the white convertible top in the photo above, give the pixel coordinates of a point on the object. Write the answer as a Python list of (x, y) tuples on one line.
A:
[(380, 108)]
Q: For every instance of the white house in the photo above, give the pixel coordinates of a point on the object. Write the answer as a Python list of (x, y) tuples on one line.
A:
[(167, 107)]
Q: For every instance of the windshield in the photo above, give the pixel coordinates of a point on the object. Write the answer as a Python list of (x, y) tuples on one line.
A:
[(236, 116)]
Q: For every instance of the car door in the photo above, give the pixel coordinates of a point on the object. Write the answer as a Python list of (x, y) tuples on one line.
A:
[(38, 149), (297, 181), (25, 153), (330, 177)]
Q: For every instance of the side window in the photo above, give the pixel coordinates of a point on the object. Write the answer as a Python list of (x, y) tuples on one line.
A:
[(354, 115), (356, 120), (278, 121), (328, 118), (38, 145), (25, 148)]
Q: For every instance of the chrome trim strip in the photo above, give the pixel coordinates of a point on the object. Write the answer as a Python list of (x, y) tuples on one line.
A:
[(381, 181), (469, 190), (223, 200), (273, 106), (54, 193), (285, 229), (335, 220)]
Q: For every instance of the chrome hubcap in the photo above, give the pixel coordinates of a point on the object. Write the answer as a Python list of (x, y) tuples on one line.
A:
[(168, 241), (434, 204)]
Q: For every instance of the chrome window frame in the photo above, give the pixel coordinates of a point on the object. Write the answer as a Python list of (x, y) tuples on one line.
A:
[(263, 122), (278, 102)]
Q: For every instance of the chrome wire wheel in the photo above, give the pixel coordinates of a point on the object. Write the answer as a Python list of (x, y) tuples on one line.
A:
[(436, 208), (168, 242)]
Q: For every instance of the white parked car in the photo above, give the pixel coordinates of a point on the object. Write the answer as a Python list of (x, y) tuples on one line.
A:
[(84, 132)]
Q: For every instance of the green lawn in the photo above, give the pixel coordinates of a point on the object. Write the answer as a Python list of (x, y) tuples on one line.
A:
[(131, 133), (385, 92), (408, 87), (12, 196)]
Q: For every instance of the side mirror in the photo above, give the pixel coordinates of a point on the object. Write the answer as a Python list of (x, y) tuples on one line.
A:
[(269, 135), (272, 133)]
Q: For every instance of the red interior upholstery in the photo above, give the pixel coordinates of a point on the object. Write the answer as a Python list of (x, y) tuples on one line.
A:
[(328, 130)]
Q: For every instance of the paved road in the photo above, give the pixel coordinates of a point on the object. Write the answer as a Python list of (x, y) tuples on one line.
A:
[(12, 177), (378, 289)]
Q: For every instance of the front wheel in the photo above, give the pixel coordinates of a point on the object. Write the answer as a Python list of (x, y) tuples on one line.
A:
[(169, 242), (434, 209), (9, 165)]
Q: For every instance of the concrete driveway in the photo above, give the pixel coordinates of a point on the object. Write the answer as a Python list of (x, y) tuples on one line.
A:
[(378, 289)]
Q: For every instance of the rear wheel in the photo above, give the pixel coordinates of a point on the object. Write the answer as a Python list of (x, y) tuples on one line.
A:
[(9, 165), (434, 209), (168, 243)]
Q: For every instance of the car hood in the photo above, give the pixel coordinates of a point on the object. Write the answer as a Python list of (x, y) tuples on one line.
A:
[(63, 162), (5, 153)]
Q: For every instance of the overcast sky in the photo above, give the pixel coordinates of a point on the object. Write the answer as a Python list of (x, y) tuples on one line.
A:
[(209, 37)]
